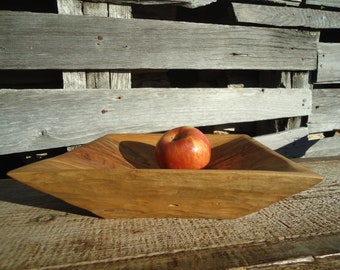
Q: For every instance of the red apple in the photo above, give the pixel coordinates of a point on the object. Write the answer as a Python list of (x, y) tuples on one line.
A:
[(183, 148)]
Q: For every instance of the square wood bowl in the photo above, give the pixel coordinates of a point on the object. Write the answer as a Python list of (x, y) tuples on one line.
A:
[(118, 176)]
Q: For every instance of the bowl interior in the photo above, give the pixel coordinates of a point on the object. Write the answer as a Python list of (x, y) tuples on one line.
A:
[(232, 152)]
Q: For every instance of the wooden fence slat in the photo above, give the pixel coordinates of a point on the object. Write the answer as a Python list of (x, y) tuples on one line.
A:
[(327, 147), (103, 79), (185, 3), (72, 7), (120, 79), (37, 119), (72, 79), (283, 138), (100, 79), (286, 16), (326, 110), (327, 3), (328, 63), (51, 41)]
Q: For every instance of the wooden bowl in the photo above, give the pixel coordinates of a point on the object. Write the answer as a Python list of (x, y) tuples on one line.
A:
[(118, 176)]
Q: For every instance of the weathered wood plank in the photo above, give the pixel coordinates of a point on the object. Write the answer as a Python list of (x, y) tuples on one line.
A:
[(301, 80), (298, 254), (327, 3), (72, 7), (72, 79), (295, 143), (50, 41), (120, 79), (120, 11), (326, 110), (298, 80), (38, 119), (286, 16), (108, 79), (285, 2), (185, 3), (326, 147), (283, 138), (328, 62), (96, 80)]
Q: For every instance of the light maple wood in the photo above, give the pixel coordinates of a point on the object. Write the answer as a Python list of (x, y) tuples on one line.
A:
[(118, 176)]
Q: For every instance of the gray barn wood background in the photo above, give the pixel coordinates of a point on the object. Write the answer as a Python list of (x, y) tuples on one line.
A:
[(72, 71)]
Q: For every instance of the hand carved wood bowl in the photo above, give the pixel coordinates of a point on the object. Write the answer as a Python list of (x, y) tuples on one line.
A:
[(118, 176)]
